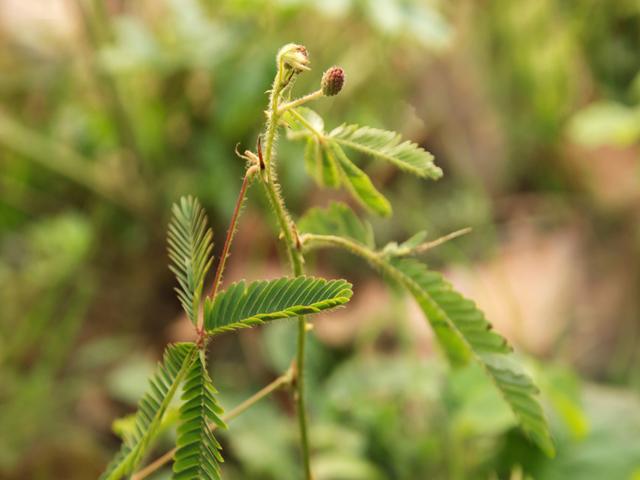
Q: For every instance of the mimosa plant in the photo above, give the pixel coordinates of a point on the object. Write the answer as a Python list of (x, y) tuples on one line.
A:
[(460, 328)]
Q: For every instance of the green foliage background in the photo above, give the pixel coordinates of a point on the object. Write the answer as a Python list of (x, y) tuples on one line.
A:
[(110, 111)]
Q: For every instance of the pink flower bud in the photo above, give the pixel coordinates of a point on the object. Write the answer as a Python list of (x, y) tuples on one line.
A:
[(332, 81)]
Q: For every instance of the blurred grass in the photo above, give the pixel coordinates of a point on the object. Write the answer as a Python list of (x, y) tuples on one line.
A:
[(109, 111)]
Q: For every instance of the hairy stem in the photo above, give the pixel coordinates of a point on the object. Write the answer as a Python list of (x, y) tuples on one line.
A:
[(232, 230), (281, 381), (300, 101), (426, 246), (311, 240), (295, 259)]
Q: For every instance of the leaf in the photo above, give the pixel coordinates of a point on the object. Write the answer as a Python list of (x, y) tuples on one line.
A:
[(414, 240), (297, 128), (337, 219), (358, 182), (329, 169), (151, 408), (319, 166), (312, 159), (387, 145), (448, 311), (327, 163), (245, 305), (198, 452), (190, 245)]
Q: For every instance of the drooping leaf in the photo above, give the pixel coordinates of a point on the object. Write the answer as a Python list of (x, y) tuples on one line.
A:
[(190, 245), (449, 312), (198, 452), (337, 219), (153, 405), (244, 305), (358, 182), (388, 146)]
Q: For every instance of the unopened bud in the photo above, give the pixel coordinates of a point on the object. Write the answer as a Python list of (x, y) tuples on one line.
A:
[(294, 56), (332, 81)]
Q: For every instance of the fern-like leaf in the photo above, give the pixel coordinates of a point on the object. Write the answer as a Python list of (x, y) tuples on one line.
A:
[(244, 305), (190, 245), (198, 452), (337, 219), (153, 405), (448, 311), (388, 146)]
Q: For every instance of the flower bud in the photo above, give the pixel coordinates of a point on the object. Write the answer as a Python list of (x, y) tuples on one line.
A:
[(332, 81), (294, 56)]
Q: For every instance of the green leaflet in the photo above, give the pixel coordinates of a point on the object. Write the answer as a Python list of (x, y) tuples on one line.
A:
[(388, 146), (327, 163), (198, 452), (176, 362), (446, 309), (243, 305), (190, 245), (358, 182), (329, 168), (337, 219)]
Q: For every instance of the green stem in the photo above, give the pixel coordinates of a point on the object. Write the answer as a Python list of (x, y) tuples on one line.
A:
[(296, 260), (300, 101), (311, 240), (426, 246)]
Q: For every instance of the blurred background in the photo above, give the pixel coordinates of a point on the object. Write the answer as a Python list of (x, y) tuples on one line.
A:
[(111, 110)]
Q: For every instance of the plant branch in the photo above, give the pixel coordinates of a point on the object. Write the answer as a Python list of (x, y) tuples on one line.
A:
[(296, 260), (300, 101), (312, 240), (232, 229), (423, 247), (281, 381)]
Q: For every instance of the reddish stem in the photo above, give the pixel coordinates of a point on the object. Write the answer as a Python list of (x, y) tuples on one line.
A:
[(231, 231)]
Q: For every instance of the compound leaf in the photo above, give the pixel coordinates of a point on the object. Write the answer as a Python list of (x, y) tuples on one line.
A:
[(152, 407), (447, 312), (190, 244), (387, 145), (198, 452), (244, 305)]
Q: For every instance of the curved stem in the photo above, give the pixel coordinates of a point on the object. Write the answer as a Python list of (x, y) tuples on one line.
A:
[(311, 240)]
